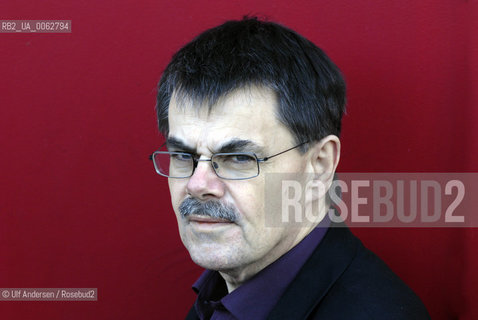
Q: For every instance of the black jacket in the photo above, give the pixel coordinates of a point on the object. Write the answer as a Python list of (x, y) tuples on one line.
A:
[(344, 280)]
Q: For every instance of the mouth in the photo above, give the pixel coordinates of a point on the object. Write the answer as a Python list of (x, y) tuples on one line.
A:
[(207, 220), (208, 225)]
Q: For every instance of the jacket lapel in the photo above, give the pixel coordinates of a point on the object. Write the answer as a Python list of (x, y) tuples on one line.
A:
[(192, 314), (329, 260)]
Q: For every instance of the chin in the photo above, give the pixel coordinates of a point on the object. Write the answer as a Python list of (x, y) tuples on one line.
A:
[(211, 265), (213, 259)]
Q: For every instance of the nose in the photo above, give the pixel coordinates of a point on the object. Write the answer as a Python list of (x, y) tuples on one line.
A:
[(204, 183)]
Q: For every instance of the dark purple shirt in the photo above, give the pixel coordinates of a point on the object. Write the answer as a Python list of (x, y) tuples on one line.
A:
[(255, 298)]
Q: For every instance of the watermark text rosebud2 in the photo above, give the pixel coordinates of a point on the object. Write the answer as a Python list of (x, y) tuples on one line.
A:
[(374, 199)]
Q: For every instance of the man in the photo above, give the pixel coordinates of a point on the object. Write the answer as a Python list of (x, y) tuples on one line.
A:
[(240, 105)]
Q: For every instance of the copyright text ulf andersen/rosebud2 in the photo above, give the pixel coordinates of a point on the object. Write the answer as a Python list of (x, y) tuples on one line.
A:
[(49, 294)]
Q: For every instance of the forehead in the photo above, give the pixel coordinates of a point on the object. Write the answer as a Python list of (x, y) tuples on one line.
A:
[(248, 114)]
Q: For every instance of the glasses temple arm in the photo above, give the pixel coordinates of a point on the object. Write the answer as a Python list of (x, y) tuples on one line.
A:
[(274, 155)]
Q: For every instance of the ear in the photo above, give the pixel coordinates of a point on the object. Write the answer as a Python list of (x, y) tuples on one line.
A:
[(324, 158)]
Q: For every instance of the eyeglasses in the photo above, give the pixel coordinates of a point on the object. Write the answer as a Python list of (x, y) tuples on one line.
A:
[(229, 166)]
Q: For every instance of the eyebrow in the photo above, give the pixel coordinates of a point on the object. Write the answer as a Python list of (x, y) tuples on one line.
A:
[(175, 143), (234, 145), (240, 145)]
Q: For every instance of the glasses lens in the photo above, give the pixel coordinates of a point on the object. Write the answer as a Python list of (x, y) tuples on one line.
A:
[(173, 164), (235, 165)]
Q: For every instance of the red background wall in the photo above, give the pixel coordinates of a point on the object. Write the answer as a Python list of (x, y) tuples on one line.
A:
[(80, 204)]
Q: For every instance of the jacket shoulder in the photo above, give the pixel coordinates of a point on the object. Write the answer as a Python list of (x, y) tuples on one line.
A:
[(344, 280), (369, 289)]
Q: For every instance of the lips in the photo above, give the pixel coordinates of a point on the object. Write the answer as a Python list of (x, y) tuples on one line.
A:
[(206, 219)]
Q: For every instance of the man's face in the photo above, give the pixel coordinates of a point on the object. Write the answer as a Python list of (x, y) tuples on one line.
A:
[(247, 245)]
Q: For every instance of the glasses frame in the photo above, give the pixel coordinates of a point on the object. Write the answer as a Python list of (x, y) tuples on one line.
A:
[(196, 160)]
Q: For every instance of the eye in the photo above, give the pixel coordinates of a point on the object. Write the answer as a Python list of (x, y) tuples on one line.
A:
[(238, 159), (235, 161), (235, 165), (181, 157), (241, 158)]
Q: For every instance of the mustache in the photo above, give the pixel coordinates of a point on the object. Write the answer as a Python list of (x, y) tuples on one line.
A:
[(211, 208)]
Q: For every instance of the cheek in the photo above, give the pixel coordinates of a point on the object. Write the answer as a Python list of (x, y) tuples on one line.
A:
[(260, 205), (249, 200), (177, 189)]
